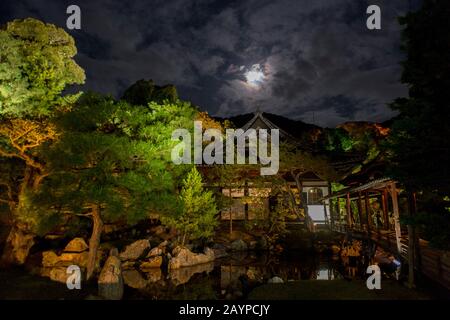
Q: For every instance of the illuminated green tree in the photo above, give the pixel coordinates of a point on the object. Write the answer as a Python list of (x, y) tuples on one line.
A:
[(36, 65), (197, 217), (113, 162)]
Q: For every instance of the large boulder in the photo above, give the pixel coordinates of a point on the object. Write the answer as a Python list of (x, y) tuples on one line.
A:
[(153, 274), (156, 251), (239, 245), (110, 281), (183, 257), (76, 245), (17, 246), (59, 274), (135, 250), (154, 262)]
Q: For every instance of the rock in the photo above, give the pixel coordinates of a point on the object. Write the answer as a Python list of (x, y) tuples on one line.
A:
[(220, 250), (80, 259), (110, 281), (135, 250), (159, 230), (183, 257), (183, 275), (165, 243), (134, 279), (153, 274), (128, 265), (76, 245), (59, 274), (17, 246), (239, 245), (49, 259), (262, 243), (220, 253), (157, 251), (253, 245), (154, 262), (253, 275), (275, 280)]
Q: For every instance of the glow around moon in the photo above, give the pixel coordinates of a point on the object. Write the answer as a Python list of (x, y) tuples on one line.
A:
[(255, 75)]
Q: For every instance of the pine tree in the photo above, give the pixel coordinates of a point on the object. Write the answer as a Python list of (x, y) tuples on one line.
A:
[(197, 216)]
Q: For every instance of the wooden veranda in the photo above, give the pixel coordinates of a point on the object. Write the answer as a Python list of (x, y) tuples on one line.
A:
[(373, 211)]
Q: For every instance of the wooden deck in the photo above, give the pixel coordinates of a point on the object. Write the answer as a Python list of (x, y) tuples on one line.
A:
[(433, 263)]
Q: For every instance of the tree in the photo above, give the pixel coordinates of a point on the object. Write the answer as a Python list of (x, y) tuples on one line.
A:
[(36, 65), (144, 91), (197, 217), (418, 146), (112, 162)]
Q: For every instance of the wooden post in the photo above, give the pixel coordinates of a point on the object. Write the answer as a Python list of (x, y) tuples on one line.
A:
[(331, 214), (338, 211), (231, 214), (411, 244), (325, 212), (385, 209), (361, 223), (349, 212), (367, 203), (398, 232)]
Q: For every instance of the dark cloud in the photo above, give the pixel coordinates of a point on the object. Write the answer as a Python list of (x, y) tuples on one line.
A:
[(319, 59)]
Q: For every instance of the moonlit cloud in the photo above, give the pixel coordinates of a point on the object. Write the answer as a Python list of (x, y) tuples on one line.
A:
[(296, 58), (255, 75)]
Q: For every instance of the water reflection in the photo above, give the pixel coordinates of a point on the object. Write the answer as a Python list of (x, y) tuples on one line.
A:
[(232, 277)]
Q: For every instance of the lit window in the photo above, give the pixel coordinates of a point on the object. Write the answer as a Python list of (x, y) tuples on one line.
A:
[(314, 194)]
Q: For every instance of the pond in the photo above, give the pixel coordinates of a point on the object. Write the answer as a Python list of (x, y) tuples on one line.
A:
[(232, 277), (236, 277)]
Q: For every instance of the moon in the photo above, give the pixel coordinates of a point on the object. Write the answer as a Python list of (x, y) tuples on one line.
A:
[(255, 75)]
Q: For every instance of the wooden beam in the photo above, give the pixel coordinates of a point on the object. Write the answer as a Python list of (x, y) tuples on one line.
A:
[(398, 232), (349, 211), (338, 211), (361, 223), (325, 212), (385, 209), (367, 203)]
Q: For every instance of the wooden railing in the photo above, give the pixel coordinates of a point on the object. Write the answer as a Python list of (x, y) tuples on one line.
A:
[(433, 263)]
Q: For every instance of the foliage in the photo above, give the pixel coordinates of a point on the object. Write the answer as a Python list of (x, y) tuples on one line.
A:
[(36, 64), (419, 148), (145, 91), (115, 156), (197, 217), (419, 144)]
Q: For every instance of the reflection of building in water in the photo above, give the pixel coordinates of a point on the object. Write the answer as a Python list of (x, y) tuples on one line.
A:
[(325, 274), (229, 275)]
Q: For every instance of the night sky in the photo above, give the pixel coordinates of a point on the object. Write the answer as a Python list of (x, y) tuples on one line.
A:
[(303, 59)]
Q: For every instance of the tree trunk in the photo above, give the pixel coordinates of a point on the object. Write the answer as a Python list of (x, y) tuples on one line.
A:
[(20, 238), (17, 246), (94, 241), (303, 202)]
